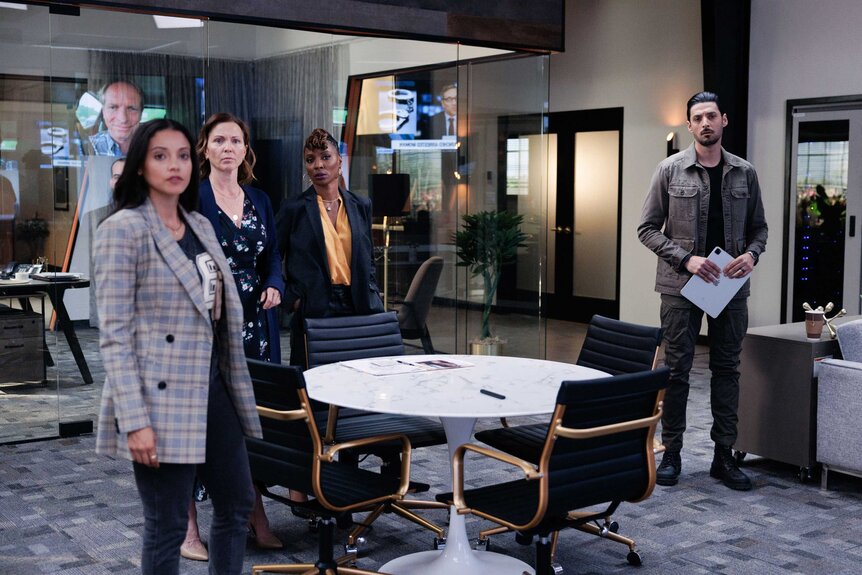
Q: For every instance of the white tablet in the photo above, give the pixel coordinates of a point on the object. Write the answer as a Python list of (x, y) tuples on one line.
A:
[(712, 298)]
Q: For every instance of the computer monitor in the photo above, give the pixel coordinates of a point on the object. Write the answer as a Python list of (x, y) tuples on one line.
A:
[(389, 194)]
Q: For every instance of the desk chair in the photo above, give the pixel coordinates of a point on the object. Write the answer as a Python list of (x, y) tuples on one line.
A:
[(344, 338), (292, 454), (612, 346), (413, 313), (597, 451)]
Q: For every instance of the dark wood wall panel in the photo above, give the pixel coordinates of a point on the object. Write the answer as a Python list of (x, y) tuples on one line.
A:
[(536, 25)]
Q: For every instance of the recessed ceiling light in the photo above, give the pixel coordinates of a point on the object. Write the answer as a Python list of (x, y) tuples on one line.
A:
[(13, 6), (163, 22)]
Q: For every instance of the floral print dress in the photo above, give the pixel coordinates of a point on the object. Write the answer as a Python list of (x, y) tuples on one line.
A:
[(242, 247)]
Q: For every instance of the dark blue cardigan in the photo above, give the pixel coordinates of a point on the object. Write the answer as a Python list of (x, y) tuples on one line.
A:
[(269, 264)]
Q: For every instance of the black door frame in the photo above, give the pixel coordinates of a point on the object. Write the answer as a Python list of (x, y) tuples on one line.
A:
[(556, 305)]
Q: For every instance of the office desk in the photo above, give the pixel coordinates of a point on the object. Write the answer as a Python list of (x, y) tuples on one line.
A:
[(530, 387), (55, 291)]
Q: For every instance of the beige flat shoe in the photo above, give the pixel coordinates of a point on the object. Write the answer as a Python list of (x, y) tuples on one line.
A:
[(195, 550)]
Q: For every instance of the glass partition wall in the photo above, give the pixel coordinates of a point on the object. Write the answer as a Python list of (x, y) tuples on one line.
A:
[(420, 125)]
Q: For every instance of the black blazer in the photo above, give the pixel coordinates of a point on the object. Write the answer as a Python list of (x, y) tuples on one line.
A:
[(306, 268)]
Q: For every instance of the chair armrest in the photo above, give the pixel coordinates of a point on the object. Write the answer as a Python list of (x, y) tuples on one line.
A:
[(333, 449), (841, 364), (591, 432), (280, 415), (529, 470), (329, 455)]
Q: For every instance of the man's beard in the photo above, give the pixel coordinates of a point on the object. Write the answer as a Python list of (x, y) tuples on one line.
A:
[(709, 139)]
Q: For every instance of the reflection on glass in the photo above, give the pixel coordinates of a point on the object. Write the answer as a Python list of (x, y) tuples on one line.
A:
[(595, 216), (821, 201)]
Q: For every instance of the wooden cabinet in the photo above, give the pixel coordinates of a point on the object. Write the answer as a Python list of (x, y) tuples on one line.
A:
[(22, 341)]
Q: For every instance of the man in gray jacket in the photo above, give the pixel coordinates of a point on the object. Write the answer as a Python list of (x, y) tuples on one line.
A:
[(701, 198)]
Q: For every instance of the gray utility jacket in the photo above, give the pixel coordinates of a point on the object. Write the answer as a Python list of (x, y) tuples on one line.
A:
[(675, 213)]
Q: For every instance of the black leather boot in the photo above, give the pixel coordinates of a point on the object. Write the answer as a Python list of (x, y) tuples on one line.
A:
[(724, 467), (669, 469)]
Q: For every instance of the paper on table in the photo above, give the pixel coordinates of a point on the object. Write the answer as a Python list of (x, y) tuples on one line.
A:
[(391, 366), (713, 298)]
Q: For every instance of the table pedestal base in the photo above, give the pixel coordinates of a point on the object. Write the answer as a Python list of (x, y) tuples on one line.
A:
[(457, 558)]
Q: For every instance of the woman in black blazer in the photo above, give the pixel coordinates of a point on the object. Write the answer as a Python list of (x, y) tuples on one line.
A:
[(326, 242)]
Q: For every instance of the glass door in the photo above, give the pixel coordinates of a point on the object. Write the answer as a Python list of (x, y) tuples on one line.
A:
[(583, 267), (824, 248)]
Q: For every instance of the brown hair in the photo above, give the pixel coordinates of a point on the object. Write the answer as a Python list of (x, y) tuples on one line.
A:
[(318, 139), (246, 168)]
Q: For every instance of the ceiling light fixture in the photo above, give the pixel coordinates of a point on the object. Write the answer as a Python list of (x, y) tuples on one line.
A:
[(165, 22)]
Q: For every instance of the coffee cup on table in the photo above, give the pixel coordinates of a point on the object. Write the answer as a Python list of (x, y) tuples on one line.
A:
[(814, 321), (22, 276)]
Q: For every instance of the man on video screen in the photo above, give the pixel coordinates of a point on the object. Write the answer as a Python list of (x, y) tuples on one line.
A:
[(122, 104), (445, 124)]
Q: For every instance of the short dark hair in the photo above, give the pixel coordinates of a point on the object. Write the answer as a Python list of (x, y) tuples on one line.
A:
[(132, 189), (245, 174), (700, 98), (448, 87)]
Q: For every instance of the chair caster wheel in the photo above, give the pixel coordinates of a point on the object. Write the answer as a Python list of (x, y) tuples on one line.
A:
[(634, 558), (614, 527), (313, 526), (523, 539), (556, 569), (439, 543), (359, 547), (482, 545)]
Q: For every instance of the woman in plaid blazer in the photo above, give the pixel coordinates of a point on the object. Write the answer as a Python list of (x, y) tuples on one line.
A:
[(170, 339)]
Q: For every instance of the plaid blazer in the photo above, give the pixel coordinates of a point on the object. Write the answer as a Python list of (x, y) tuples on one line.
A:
[(156, 337)]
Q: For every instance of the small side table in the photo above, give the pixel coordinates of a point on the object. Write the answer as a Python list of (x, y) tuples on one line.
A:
[(778, 393)]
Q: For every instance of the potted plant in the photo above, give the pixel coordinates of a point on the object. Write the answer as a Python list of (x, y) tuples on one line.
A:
[(488, 240), (33, 231)]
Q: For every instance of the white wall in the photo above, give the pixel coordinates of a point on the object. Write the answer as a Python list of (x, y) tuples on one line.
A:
[(799, 49), (645, 57)]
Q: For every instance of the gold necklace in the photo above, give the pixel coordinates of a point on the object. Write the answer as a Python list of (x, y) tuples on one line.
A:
[(328, 203), (175, 230), (226, 199)]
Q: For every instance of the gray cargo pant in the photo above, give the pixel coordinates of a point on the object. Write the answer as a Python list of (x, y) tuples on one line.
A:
[(681, 320)]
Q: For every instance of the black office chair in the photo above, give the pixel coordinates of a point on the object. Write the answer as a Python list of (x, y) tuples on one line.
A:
[(413, 313), (597, 451), (292, 454), (344, 338), (612, 346)]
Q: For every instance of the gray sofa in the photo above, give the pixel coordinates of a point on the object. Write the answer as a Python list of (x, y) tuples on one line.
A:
[(839, 404)]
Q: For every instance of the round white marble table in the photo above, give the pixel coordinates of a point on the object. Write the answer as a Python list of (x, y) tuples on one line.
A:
[(530, 387)]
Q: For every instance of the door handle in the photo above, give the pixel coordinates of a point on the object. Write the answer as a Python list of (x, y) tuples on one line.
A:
[(852, 226), (567, 230)]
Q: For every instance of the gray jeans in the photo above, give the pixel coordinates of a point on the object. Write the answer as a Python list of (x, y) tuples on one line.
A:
[(681, 320), (166, 492)]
